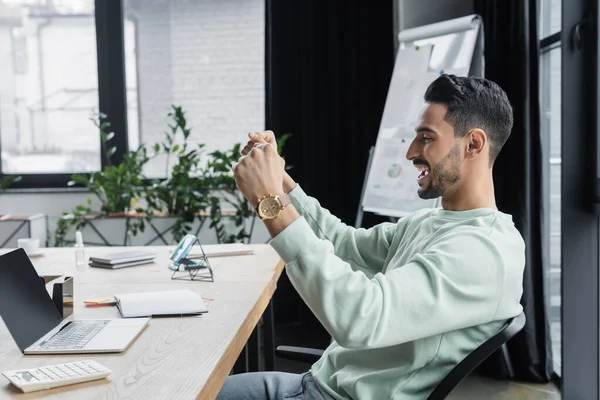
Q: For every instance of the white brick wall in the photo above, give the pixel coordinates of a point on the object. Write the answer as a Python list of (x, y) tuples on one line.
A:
[(208, 57), (7, 89), (204, 55)]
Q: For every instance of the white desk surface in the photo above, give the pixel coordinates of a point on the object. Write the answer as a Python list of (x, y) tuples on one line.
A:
[(173, 358)]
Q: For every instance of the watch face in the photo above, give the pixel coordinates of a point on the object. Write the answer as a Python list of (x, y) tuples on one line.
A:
[(269, 208)]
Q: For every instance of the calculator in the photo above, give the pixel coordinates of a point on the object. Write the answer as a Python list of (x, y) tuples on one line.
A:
[(53, 376)]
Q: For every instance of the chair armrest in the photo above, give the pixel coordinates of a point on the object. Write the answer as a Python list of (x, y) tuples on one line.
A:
[(304, 354)]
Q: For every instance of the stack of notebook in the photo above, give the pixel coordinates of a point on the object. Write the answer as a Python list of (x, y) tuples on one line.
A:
[(122, 259)]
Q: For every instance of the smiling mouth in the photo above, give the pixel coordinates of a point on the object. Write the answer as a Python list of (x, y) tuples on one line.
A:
[(423, 172)]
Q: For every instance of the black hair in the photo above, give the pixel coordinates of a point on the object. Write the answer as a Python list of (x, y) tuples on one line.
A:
[(474, 103)]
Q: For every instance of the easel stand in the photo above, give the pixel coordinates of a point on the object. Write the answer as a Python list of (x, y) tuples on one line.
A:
[(196, 269)]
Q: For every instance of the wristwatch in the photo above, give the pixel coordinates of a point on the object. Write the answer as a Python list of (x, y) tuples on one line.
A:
[(270, 206)]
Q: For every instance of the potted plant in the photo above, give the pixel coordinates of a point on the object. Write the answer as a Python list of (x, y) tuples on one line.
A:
[(116, 188), (193, 190), (182, 194)]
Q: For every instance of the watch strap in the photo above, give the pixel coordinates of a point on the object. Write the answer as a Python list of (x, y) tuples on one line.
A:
[(285, 199)]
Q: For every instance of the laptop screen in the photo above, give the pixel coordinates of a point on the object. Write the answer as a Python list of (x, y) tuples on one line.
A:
[(25, 306)]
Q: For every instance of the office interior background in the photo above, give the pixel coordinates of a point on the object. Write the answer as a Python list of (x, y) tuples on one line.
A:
[(320, 71)]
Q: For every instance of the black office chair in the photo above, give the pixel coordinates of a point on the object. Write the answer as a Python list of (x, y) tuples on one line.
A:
[(454, 377)]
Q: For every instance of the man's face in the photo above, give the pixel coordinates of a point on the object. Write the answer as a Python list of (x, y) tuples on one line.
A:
[(436, 153)]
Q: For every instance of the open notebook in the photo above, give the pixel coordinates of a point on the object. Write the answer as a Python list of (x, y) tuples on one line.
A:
[(169, 303)]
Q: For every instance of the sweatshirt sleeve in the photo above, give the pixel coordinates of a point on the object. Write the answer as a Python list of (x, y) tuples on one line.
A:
[(456, 283), (363, 249)]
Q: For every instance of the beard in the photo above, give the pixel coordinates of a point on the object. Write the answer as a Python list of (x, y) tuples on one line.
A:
[(445, 174)]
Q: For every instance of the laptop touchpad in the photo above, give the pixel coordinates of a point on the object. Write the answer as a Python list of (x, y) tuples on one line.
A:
[(117, 335)]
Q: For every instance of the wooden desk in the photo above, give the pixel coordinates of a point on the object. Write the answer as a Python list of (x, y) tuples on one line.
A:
[(173, 358)]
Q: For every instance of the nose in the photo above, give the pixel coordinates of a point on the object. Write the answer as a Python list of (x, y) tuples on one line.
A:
[(413, 151)]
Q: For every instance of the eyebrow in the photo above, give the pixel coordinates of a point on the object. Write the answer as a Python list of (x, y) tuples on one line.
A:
[(424, 129)]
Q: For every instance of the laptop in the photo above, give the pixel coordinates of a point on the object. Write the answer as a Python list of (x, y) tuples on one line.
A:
[(36, 324)]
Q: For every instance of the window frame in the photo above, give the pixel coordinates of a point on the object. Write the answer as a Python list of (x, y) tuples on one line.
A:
[(547, 44), (579, 223), (580, 204), (112, 92)]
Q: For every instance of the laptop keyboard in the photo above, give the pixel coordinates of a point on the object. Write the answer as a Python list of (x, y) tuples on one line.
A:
[(75, 335)]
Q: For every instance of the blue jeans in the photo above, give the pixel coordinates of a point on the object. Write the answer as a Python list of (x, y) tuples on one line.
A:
[(270, 386)]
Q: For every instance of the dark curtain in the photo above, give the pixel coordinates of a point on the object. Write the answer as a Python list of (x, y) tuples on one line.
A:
[(512, 61), (329, 65)]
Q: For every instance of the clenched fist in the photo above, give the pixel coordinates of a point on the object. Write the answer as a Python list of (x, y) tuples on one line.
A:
[(260, 172)]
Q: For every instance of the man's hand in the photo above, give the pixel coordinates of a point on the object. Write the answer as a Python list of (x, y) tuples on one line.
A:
[(258, 138), (263, 138), (260, 173)]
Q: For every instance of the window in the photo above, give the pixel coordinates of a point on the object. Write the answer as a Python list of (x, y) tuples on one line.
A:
[(551, 130), (550, 17), (48, 90), (205, 56), (550, 87)]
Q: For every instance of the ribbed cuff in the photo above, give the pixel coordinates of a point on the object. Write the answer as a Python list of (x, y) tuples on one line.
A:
[(299, 198), (295, 238)]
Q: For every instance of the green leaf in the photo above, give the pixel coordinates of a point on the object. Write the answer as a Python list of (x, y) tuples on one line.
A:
[(281, 142)]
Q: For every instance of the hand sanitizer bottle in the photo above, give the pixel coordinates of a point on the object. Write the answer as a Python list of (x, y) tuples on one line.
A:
[(79, 253)]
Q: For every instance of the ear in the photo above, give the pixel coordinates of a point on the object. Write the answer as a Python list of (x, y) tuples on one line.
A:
[(476, 143)]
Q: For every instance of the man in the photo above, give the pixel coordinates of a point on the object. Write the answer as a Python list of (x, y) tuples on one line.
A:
[(403, 302)]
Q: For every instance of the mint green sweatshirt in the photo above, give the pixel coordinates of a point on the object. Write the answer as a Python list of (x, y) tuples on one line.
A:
[(405, 302)]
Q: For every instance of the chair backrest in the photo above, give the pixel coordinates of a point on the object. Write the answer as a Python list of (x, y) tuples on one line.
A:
[(470, 362)]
